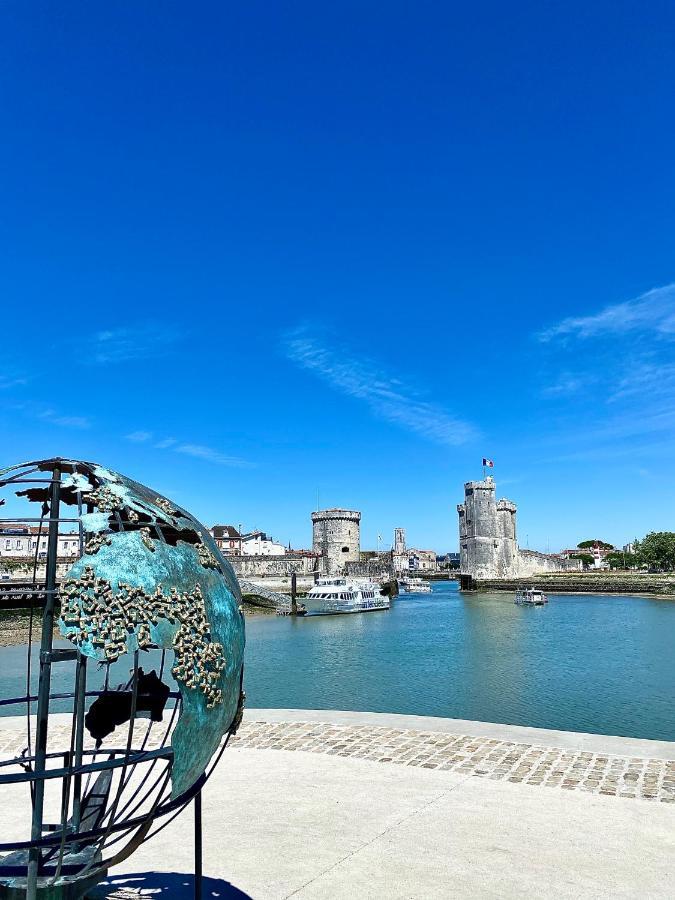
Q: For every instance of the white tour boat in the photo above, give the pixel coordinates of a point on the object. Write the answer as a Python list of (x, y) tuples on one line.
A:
[(334, 596), (414, 586), (530, 597)]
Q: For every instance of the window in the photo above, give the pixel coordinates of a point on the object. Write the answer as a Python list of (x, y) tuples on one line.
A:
[(345, 549)]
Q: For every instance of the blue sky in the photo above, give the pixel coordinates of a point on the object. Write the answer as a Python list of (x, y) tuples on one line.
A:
[(252, 252)]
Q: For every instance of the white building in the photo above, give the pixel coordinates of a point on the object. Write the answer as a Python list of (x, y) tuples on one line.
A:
[(257, 543), (18, 541)]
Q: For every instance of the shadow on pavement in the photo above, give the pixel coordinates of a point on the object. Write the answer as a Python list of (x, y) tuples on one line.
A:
[(171, 885)]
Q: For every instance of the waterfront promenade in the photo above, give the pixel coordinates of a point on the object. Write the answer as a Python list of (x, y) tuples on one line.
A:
[(324, 804)]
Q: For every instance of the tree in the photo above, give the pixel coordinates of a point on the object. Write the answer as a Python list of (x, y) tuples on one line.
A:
[(586, 558), (657, 550), (620, 560), (595, 542)]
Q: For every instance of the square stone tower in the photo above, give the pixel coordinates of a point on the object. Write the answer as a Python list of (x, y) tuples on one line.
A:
[(399, 555)]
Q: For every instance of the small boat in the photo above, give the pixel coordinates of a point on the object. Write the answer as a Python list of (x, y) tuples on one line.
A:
[(530, 597), (414, 586), (337, 596)]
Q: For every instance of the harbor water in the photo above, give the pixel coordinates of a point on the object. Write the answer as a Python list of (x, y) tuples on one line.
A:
[(595, 663)]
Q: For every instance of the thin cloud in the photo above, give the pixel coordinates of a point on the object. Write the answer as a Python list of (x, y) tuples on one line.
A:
[(118, 345), (566, 385), (198, 451), (653, 311), (387, 397), (138, 437), (646, 380), (10, 381), (49, 415)]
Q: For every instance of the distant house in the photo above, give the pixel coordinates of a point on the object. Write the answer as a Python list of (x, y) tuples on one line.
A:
[(228, 539), (448, 561), (596, 551), (423, 560), (257, 543)]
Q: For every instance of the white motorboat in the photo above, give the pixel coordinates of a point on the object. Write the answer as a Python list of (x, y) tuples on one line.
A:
[(414, 586), (530, 597), (336, 596)]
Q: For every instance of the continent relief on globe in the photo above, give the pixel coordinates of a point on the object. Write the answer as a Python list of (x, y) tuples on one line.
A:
[(152, 576)]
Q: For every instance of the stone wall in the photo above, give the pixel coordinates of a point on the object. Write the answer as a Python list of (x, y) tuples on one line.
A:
[(531, 562), (251, 566)]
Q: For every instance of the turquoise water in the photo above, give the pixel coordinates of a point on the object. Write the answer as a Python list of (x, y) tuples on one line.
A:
[(583, 663), (594, 663)]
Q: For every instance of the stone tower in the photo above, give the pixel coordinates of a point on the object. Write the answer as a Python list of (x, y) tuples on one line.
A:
[(507, 551), (337, 537), (479, 537), (400, 553)]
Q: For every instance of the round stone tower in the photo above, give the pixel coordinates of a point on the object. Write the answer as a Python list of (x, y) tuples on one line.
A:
[(337, 537)]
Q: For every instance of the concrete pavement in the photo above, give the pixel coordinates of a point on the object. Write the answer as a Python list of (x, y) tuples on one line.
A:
[(316, 824)]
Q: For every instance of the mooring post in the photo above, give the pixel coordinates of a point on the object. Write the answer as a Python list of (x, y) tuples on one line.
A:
[(198, 845), (294, 594)]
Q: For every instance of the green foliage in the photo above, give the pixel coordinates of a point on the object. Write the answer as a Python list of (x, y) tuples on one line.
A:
[(620, 560), (9, 564), (595, 542), (586, 558), (657, 550)]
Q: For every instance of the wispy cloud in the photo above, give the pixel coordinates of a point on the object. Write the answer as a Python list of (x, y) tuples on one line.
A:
[(386, 396), (646, 380), (653, 311), (118, 345), (139, 437), (54, 418), (10, 381), (198, 451), (566, 385)]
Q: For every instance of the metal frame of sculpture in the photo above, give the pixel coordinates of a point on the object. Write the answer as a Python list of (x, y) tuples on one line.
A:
[(175, 592)]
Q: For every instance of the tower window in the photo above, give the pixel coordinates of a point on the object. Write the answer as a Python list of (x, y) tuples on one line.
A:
[(345, 549)]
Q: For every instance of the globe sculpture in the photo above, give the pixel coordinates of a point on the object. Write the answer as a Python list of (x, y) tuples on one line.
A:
[(130, 703)]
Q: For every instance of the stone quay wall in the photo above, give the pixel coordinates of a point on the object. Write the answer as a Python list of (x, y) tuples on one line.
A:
[(580, 583), (267, 566)]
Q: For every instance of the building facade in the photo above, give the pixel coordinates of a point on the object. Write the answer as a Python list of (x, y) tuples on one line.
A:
[(336, 537), (19, 541), (228, 539), (257, 543), (488, 545)]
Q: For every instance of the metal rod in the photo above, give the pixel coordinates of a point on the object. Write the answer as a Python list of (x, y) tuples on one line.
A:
[(45, 682), (80, 694), (26, 521), (198, 845)]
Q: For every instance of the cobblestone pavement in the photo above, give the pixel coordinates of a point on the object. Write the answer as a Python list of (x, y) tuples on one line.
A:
[(570, 770), (499, 760)]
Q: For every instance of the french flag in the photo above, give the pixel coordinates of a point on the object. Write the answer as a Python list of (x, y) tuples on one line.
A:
[(488, 463)]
